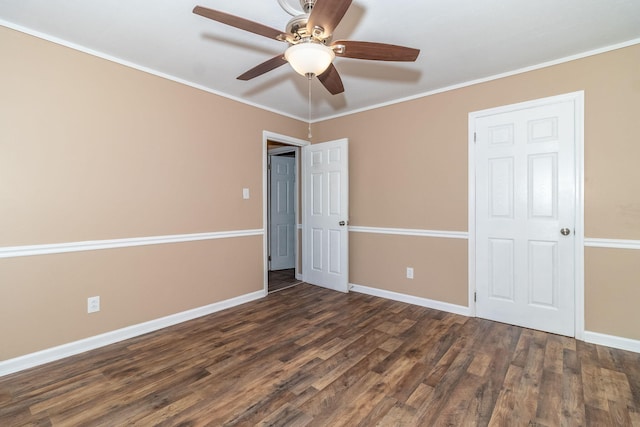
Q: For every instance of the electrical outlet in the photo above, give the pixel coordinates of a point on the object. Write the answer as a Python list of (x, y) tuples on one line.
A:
[(409, 272), (93, 304)]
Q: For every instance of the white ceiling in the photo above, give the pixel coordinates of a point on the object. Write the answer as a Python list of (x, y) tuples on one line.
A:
[(460, 40)]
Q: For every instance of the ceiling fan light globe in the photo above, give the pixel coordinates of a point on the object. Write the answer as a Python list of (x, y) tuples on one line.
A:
[(309, 58)]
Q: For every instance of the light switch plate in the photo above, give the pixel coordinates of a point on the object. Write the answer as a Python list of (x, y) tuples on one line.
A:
[(409, 272), (245, 193), (93, 304)]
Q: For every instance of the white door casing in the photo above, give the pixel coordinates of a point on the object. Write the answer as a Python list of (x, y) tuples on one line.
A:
[(325, 181), (282, 213), (526, 192), (292, 144)]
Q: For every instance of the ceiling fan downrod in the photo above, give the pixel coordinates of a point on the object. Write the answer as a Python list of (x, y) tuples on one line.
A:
[(307, 5)]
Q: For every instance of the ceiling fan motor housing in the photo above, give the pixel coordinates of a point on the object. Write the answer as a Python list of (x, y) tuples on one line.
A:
[(297, 27)]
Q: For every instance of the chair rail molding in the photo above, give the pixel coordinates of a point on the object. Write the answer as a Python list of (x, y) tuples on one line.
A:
[(410, 232), (92, 245), (611, 243)]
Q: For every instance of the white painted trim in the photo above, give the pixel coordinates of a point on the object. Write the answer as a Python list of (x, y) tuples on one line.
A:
[(56, 353), (410, 299), (579, 219), (612, 341), (484, 79), (92, 245), (471, 248), (283, 139), (579, 241), (612, 243), (539, 102), (135, 66), (281, 150), (410, 232), (142, 68), (590, 337)]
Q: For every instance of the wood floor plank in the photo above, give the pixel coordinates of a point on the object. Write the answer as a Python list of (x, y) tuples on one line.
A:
[(553, 355), (308, 356), (421, 394), (529, 388), (506, 402), (572, 390), (549, 410), (593, 387), (455, 408), (287, 416), (340, 405)]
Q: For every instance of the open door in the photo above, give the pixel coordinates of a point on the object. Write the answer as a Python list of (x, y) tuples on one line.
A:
[(325, 237)]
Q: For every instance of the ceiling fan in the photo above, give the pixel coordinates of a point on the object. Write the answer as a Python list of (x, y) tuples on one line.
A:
[(309, 35)]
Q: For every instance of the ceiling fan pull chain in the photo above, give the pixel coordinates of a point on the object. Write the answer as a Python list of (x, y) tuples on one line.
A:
[(309, 77)]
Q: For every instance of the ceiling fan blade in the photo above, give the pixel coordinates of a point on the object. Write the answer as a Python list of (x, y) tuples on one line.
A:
[(374, 51), (331, 80), (237, 22), (327, 14), (265, 67)]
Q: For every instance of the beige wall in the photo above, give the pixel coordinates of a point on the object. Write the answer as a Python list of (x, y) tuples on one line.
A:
[(612, 291), (94, 150), (44, 297), (408, 169), (438, 265)]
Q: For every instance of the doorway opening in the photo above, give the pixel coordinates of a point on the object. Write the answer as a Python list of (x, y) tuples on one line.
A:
[(282, 215), (282, 210)]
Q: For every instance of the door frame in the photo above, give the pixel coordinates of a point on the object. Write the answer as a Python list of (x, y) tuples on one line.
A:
[(578, 100), (294, 142)]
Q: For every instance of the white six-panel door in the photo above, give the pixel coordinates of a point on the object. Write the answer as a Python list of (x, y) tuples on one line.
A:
[(282, 215), (525, 217), (325, 173)]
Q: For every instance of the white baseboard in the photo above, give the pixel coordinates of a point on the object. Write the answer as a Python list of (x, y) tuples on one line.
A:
[(56, 353), (612, 341), (60, 352), (410, 299), (590, 337)]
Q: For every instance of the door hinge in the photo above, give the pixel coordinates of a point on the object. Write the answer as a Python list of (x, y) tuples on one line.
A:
[(475, 296), (474, 137), (269, 257)]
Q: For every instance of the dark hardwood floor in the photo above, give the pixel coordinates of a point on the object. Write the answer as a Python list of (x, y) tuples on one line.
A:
[(310, 356), (282, 279)]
